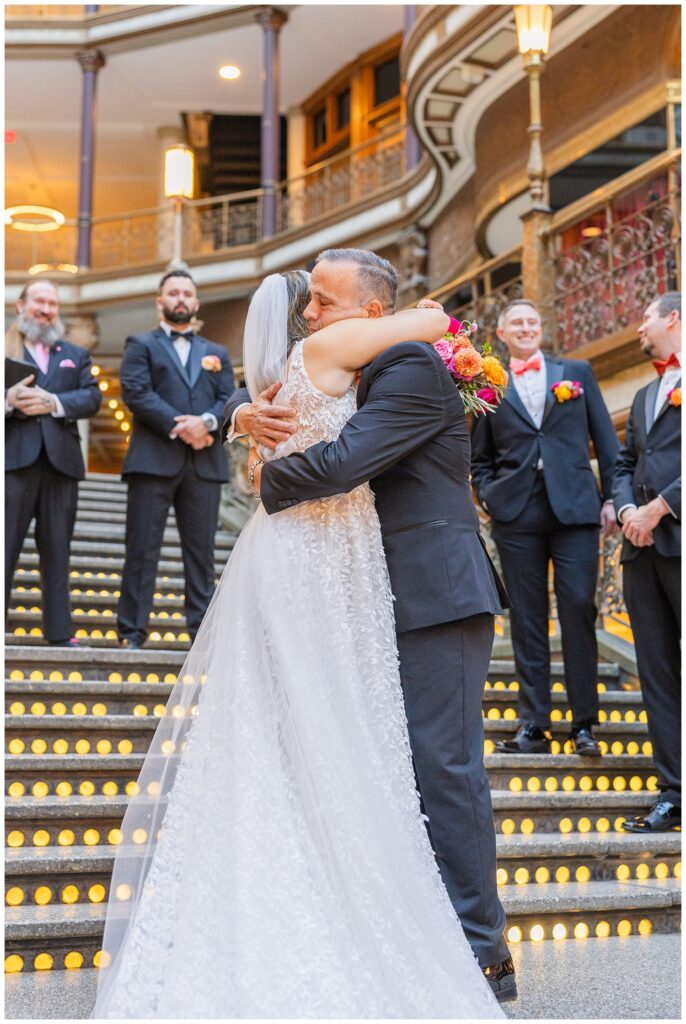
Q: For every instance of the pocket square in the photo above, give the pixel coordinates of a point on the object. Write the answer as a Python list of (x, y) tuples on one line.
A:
[(68, 362)]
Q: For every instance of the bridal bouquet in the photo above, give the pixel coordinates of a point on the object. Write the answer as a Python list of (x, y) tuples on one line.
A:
[(480, 377)]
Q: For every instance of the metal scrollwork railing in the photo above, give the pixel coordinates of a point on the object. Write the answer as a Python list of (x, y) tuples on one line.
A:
[(481, 294), (616, 252)]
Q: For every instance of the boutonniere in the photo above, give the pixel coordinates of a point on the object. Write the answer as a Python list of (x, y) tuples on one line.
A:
[(211, 363), (674, 397), (566, 389)]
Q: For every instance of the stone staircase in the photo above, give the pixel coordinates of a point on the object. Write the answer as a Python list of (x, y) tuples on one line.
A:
[(79, 722)]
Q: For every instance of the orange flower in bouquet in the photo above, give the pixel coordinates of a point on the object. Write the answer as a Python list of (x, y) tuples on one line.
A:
[(480, 379)]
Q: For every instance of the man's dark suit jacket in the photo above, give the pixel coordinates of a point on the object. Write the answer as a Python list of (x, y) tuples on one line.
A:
[(649, 464), (157, 387), (409, 439), (77, 390), (506, 447)]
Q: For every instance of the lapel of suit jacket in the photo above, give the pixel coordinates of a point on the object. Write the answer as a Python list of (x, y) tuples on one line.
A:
[(554, 370), (171, 355), (512, 396), (665, 405), (53, 362), (194, 365), (649, 407)]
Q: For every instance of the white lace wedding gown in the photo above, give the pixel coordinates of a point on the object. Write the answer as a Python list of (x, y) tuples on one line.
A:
[(293, 876)]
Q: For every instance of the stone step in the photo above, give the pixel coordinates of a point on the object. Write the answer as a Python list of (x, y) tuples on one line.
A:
[(29, 615), (91, 598), (602, 908), (98, 550), (97, 639), (113, 663), (82, 563), (109, 581), (89, 820), (40, 876), (114, 534), (90, 760)]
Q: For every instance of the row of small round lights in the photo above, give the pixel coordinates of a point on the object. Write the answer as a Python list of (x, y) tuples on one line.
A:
[(44, 894), (113, 404), (72, 961), (581, 930), (61, 746)]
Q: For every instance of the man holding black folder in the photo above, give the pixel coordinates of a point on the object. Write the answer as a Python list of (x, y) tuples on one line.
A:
[(43, 460)]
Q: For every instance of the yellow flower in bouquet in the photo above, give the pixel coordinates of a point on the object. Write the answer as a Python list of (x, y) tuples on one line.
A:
[(495, 374)]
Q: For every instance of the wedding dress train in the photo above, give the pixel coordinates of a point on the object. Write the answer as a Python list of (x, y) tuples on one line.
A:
[(292, 876)]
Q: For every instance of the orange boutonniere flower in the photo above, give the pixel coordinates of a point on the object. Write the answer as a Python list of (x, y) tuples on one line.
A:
[(211, 363), (674, 397), (566, 389)]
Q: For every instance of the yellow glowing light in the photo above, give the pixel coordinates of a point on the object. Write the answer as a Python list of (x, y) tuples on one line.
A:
[(582, 874), (559, 931), (568, 783), (533, 784), (43, 895), (66, 837), (527, 827), (566, 825), (603, 929), (101, 959), (677, 869), (642, 871), (501, 876), (69, 894), (623, 872), (602, 783), (123, 892), (43, 962), (585, 783), (584, 825), (125, 746), (87, 788), (551, 785), (229, 72), (619, 783), (41, 837), (542, 875), (64, 789), (40, 789), (115, 836), (59, 708), (624, 928), (521, 876), (661, 870), (110, 789), (91, 837), (38, 708), (15, 896), (602, 825), (97, 893), (73, 960), (507, 827), (514, 934), (562, 874), (635, 783), (39, 746), (13, 964), (37, 218), (104, 746), (139, 836), (537, 933), (581, 930), (82, 746), (132, 789), (15, 838), (16, 789), (16, 746)]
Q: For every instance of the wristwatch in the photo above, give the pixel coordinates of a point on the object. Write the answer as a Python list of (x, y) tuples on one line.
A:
[(208, 420)]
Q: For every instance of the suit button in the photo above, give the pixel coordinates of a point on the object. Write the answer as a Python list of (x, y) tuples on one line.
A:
[(649, 451)]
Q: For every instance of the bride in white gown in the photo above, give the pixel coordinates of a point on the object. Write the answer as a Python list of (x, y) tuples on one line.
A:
[(292, 876)]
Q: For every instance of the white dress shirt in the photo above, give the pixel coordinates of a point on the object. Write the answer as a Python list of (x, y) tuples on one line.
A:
[(531, 388), (183, 350)]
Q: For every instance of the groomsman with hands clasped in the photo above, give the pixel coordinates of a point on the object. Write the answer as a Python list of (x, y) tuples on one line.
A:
[(176, 384), (532, 473), (647, 495)]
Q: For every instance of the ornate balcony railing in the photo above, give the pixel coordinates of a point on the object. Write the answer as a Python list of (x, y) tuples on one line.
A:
[(615, 250), (52, 12), (220, 224), (344, 179), (480, 294)]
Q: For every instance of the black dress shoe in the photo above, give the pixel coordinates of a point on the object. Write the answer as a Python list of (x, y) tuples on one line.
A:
[(663, 816), (529, 739), (503, 980), (71, 642), (584, 742)]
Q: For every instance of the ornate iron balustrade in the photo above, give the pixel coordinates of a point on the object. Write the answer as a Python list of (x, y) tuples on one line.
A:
[(220, 223), (480, 294), (615, 251), (350, 177)]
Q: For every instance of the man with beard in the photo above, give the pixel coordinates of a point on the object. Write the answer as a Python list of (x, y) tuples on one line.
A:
[(43, 460), (647, 496), (176, 384)]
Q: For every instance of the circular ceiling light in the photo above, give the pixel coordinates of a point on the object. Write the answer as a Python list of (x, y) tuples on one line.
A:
[(33, 218), (53, 268), (230, 71)]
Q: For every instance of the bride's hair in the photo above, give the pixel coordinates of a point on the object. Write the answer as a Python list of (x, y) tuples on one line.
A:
[(298, 285)]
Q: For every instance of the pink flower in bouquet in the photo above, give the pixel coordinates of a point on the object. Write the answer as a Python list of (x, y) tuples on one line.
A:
[(466, 363), (445, 350), (487, 395)]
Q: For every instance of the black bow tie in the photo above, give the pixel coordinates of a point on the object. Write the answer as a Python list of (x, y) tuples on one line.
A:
[(181, 334)]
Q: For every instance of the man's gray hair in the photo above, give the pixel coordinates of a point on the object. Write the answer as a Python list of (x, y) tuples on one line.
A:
[(502, 316), (377, 278), (668, 302)]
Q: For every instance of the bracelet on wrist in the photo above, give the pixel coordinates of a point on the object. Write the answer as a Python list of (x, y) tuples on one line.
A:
[(251, 476)]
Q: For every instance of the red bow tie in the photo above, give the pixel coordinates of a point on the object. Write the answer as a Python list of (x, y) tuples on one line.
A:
[(663, 364), (520, 366)]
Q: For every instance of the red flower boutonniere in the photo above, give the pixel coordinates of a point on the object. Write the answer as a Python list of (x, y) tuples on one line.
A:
[(674, 397), (564, 390), (211, 363)]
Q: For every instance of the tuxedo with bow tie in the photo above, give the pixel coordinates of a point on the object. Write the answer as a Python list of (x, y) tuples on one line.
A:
[(43, 464), (648, 466), (160, 381), (409, 439), (532, 473)]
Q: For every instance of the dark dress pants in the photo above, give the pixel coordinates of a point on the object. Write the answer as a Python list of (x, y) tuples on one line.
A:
[(526, 547), (196, 504), (652, 591), (443, 670), (39, 491)]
